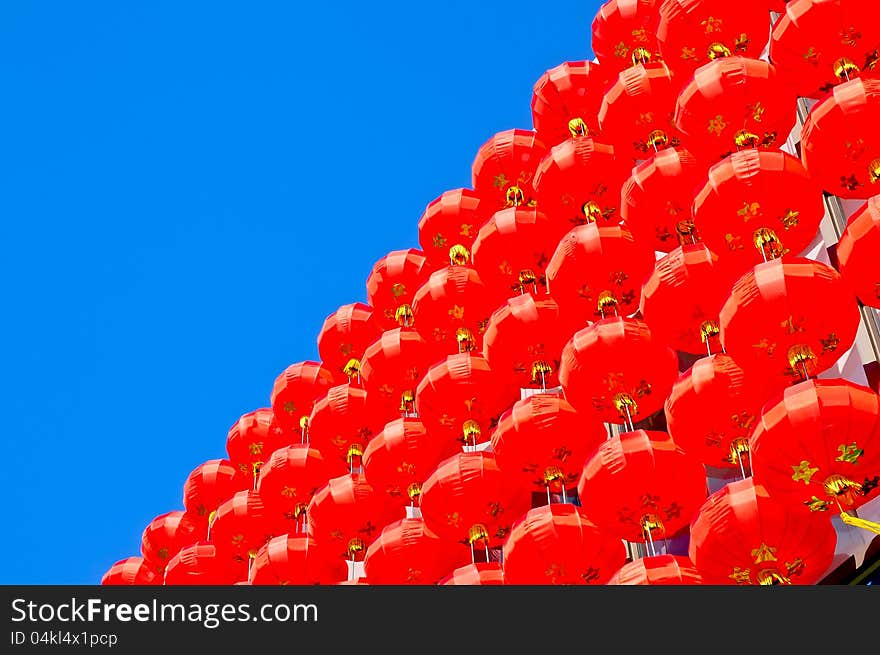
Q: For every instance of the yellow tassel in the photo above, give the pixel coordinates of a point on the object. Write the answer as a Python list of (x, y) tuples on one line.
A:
[(860, 523)]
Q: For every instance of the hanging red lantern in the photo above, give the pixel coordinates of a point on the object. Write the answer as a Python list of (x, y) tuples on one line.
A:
[(167, 534), (201, 564), (840, 145), (598, 271), (294, 560), (713, 408), (451, 221), (469, 499), (691, 33), (816, 447), (240, 527), (524, 341), (504, 166), (821, 43), (682, 298), (757, 205), (656, 199), (625, 32), (460, 397), (544, 441), (346, 515), (209, 485), (856, 249), (658, 570), (478, 573), (566, 98), (637, 111), (401, 457), (294, 394), (393, 282), (252, 439), (131, 571), (579, 181), (742, 535), (735, 103), (617, 369), (341, 425), (789, 319), (344, 337), (641, 486), (559, 545), (288, 480), (408, 553)]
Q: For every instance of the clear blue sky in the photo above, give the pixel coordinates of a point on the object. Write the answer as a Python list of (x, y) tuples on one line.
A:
[(188, 189)]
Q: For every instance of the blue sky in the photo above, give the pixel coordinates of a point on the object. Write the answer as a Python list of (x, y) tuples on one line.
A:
[(188, 189)]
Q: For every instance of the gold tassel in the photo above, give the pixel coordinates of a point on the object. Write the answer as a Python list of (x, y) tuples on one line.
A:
[(860, 523)]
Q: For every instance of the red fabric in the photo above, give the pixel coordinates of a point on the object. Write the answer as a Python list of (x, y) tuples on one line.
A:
[(732, 94), (167, 534), (478, 573), (453, 218), (469, 489), (622, 25), (560, 545), (783, 304), (713, 404), (210, 484), (813, 431), (294, 560), (523, 331), (811, 35), (345, 335), (742, 531), (638, 474), (408, 553), (394, 281), (201, 564), (544, 431), (131, 571), (617, 356), (754, 189), (241, 526), (506, 159), (252, 439), (656, 199), (288, 480), (573, 89), (295, 391), (658, 570), (856, 251)]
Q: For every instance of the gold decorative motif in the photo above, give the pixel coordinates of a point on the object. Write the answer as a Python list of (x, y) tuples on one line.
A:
[(688, 54), (830, 344), (849, 36), (757, 111), (288, 492), (850, 182), (749, 210), (790, 219), (456, 312), (796, 567), (398, 289), (741, 576), (874, 171), (620, 50), (717, 50), (255, 448), (792, 325), (803, 472), (465, 230), (289, 407), (817, 504), (742, 42), (500, 181), (849, 453), (764, 553), (811, 56), (590, 575), (717, 125), (712, 24), (439, 240)]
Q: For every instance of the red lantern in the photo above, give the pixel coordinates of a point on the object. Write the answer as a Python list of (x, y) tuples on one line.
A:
[(641, 486), (579, 181), (167, 534), (713, 408), (544, 441), (392, 285), (408, 553), (524, 341), (344, 337), (691, 33), (840, 145), (566, 99), (469, 499), (131, 571), (294, 560), (504, 166), (240, 527), (682, 298), (288, 480), (789, 319), (856, 249), (658, 570), (598, 271), (816, 446), (734, 103), (617, 369), (656, 199), (478, 573), (625, 32), (294, 394), (252, 439), (638, 110), (742, 535), (452, 220), (758, 205), (401, 457), (209, 485), (559, 545), (201, 564), (821, 43), (460, 397)]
